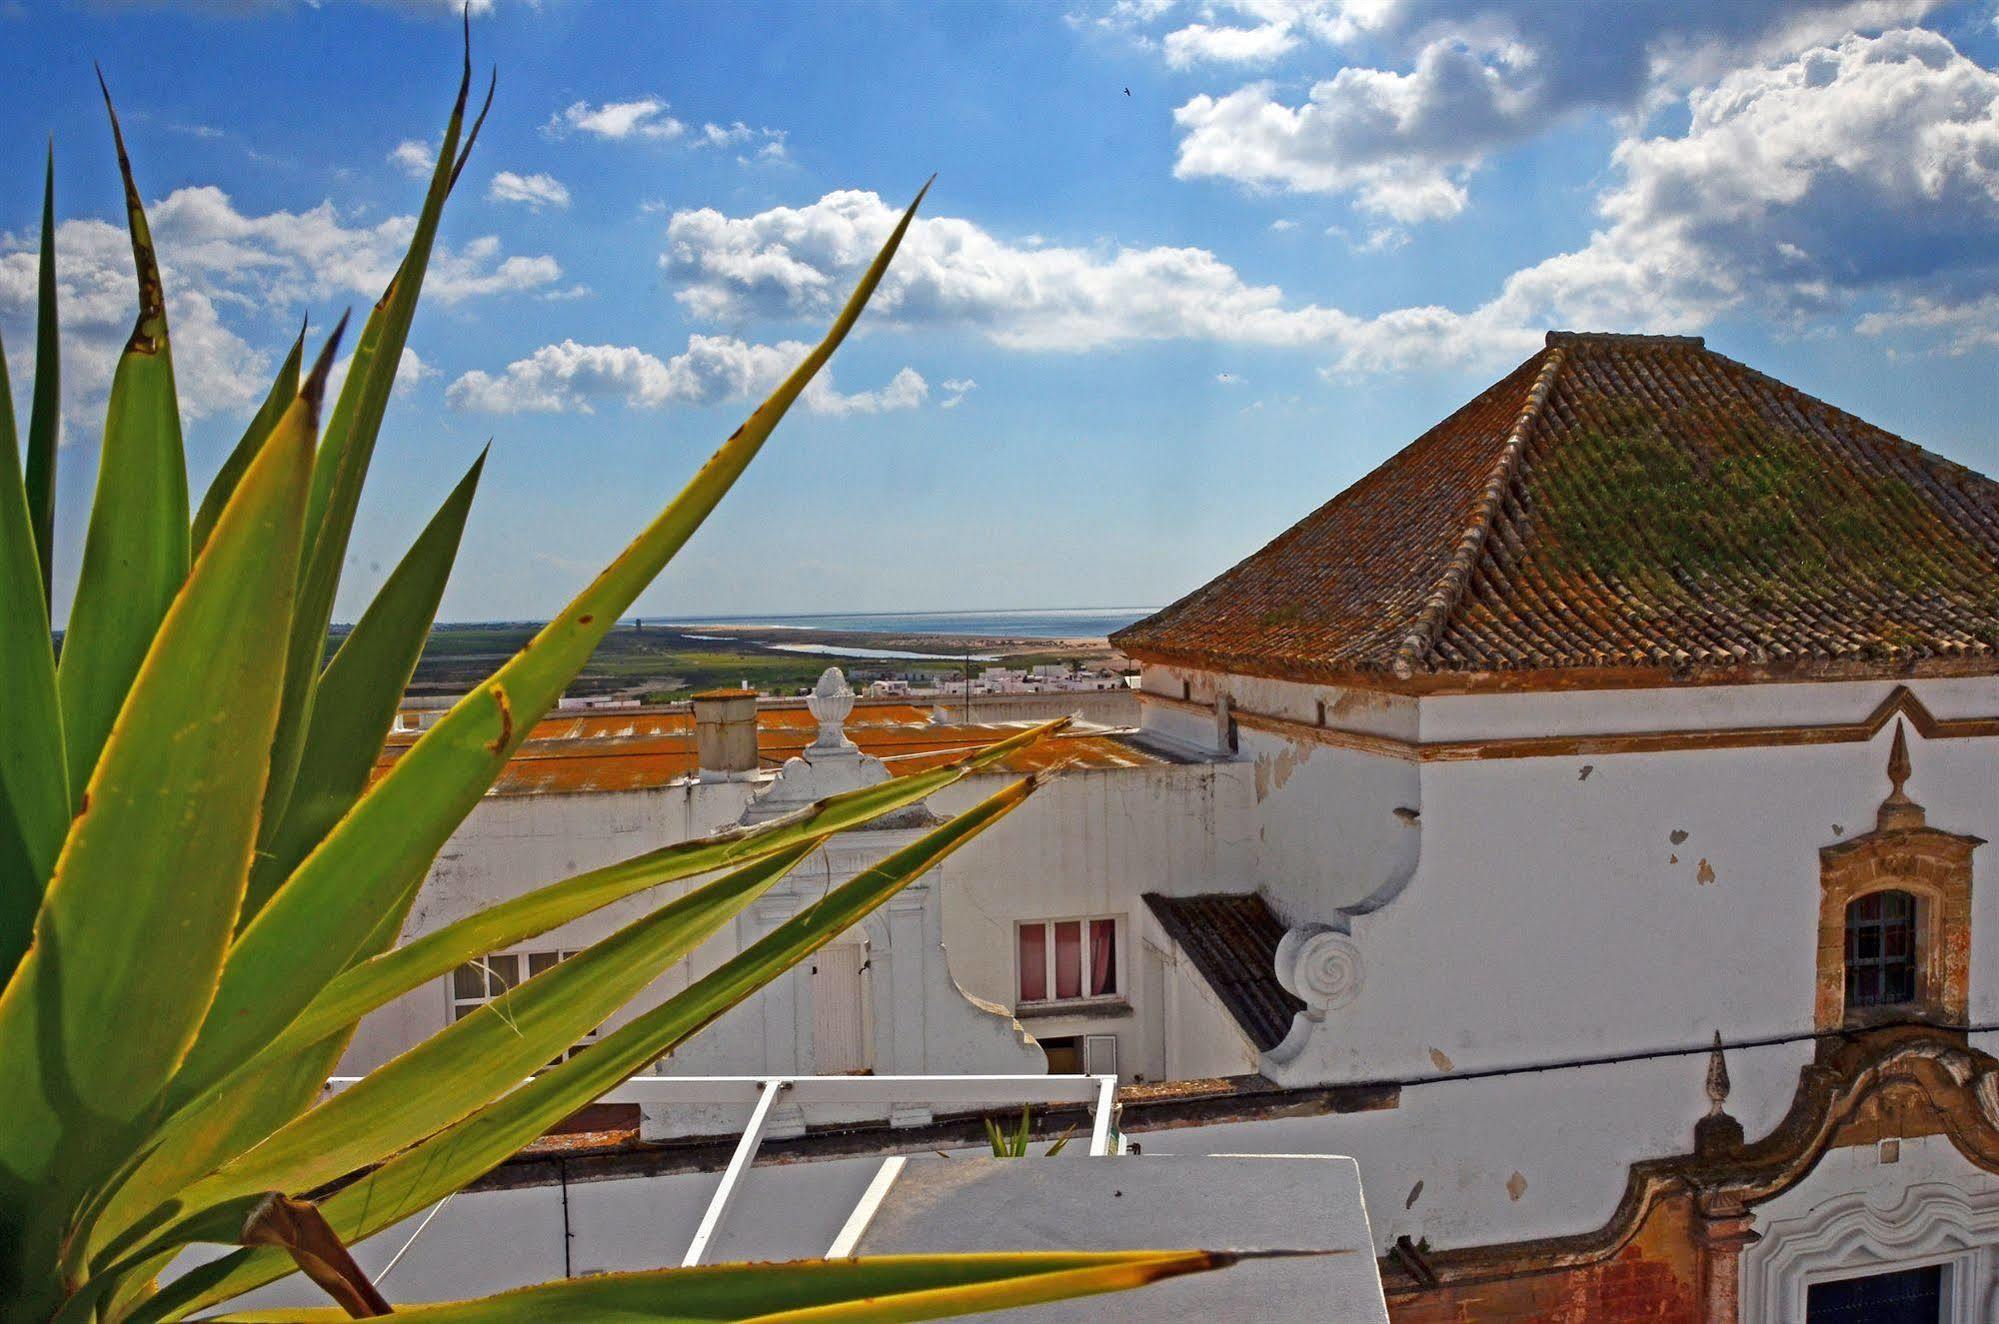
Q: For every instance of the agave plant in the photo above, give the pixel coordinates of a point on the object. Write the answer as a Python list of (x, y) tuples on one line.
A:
[(201, 892)]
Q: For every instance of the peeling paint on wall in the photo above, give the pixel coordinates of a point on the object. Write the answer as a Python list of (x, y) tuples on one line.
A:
[(1441, 1062), (1705, 874), (1516, 1186), (1415, 1193), (1272, 771), (1677, 836)]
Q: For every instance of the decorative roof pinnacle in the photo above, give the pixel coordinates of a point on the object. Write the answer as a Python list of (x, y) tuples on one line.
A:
[(1898, 811)]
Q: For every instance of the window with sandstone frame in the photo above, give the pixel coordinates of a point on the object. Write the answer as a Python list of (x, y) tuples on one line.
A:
[(1904, 883)]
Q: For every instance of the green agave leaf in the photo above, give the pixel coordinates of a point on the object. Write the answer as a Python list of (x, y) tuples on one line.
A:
[(45, 416), (138, 914), (373, 983), (342, 464), (881, 1288), (254, 437), (425, 1173), (475, 1060), (34, 788), (357, 697), (237, 1112), (374, 859), (135, 553)]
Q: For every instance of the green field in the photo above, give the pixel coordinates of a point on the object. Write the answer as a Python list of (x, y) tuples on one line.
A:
[(652, 663)]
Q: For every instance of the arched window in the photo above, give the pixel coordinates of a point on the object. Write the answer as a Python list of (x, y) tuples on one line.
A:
[(1881, 950)]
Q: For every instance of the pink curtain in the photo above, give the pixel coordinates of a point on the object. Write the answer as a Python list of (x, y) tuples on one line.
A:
[(1103, 958), (1069, 959), (1033, 962)]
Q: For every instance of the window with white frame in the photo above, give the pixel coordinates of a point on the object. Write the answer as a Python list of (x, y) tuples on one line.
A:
[(1068, 960), (477, 983)]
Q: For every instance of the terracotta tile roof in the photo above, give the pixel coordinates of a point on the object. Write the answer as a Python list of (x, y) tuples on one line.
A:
[(1231, 937), (631, 751), (1619, 504)]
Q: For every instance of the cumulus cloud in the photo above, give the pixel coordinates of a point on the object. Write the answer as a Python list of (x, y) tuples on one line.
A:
[(535, 191), (574, 378), (1855, 179), (410, 369), (1469, 80), (1867, 169), (800, 261), (955, 391), (644, 117), (413, 158), (233, 280)]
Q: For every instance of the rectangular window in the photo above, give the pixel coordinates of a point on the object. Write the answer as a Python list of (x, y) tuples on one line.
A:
[(1068, 960), (477, 983)]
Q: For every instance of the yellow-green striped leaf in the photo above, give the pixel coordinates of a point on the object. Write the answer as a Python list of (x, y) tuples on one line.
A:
[(420, 1176), (133, 928), (374, 859), (475, 1060), (45, 414), (34, 788), (357, 696), (342, 464), (135, 552), (877, 1289), (254, 436)]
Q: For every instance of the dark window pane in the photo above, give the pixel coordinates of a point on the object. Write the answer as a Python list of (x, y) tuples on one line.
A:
[(540, 961), (504, 972), (468, 981)]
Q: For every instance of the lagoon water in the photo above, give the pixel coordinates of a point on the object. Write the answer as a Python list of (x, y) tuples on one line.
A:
[(1056, 623)]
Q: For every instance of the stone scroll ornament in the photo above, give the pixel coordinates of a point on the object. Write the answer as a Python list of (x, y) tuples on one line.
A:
[(1320, 966)]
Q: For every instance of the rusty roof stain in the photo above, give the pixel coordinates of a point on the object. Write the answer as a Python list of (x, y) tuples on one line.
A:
[(1619, 504), (570, 753)]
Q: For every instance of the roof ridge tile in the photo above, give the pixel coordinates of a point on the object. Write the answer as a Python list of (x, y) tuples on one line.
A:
[(1450, 588)]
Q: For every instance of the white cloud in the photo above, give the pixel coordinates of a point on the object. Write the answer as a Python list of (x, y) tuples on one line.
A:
[(1862, 171), (573, 378), (801, 261), (644, 117), (233, 280), (1198, 43), (410, 369), (415, 159), (535, 191), (1858, 179), (1280, 225), (955, 391), (1468, 79)]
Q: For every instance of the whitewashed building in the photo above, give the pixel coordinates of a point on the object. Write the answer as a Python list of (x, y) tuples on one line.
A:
[(1579, 821)]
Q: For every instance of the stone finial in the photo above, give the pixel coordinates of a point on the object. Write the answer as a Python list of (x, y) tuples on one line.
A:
[(1717, 1133), (1898, 811), (830, 701)]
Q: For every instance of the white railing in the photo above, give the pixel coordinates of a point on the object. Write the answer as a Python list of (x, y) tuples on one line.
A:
[(762, 1093)]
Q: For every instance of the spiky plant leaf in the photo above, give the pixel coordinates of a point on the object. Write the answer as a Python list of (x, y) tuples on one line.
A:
[(474, 1060), (254, 436), (34, 788), (357, 696), (138, 913), (374, 859), (879, 1289), (342, 464), (420, 1176), (135, 553), (45, 414)]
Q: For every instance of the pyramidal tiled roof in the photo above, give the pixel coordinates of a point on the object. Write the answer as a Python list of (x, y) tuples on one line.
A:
[(1619, 504)]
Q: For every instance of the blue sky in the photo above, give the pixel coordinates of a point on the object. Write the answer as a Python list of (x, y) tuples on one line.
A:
[(1134, 336)]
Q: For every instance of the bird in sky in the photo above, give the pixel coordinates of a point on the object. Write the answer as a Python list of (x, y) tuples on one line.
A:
[(1127, 91)]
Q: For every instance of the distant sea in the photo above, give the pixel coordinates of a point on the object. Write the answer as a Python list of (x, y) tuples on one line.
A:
[(1060, 623)]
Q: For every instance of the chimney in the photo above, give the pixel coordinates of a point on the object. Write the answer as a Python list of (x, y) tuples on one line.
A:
[(725, 732)]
